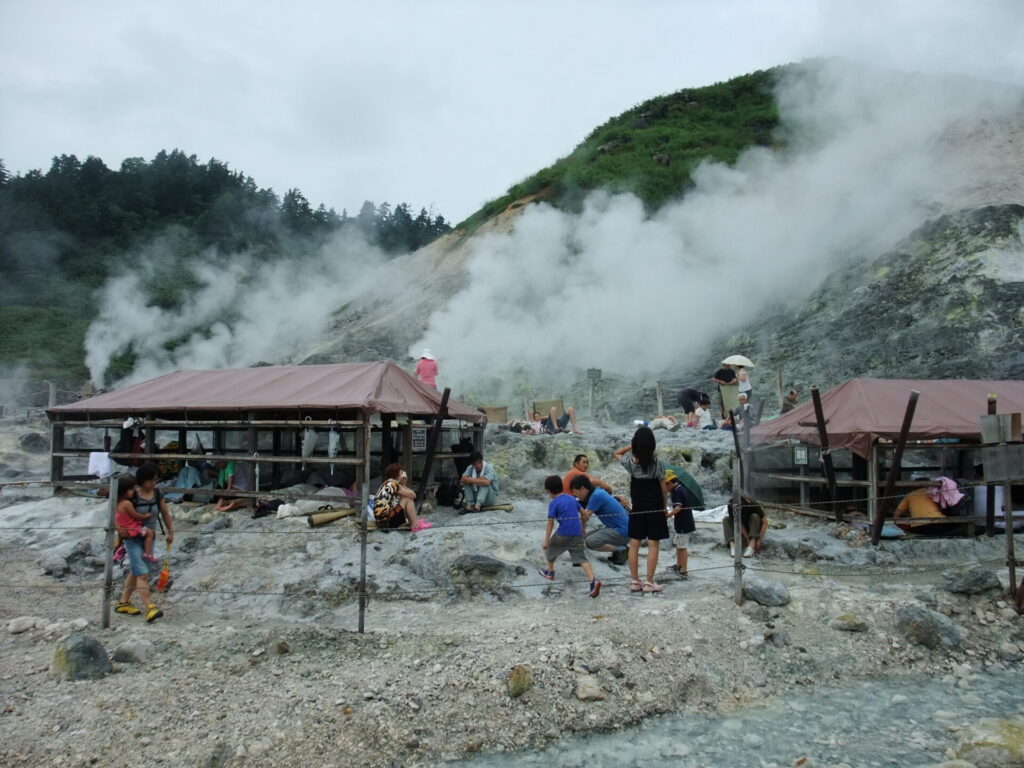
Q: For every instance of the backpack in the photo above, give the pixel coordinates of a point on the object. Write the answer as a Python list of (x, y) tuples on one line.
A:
[(449, 493)]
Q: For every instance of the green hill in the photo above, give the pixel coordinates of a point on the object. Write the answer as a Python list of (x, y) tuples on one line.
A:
[(652, 149)]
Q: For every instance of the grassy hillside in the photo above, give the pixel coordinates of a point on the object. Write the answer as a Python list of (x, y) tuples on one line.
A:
[(651, 149)]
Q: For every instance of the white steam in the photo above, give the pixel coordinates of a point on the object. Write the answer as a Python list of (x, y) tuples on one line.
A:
[(242, 311), (867, 159)]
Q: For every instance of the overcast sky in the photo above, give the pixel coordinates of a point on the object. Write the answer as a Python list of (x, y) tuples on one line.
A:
[(443, 103)]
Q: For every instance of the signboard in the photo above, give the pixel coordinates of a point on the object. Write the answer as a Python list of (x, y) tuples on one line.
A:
[(800, 455), (419, 439)]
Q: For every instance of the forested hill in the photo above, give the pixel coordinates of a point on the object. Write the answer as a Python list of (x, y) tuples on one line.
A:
[(65, 231), (651, 149)]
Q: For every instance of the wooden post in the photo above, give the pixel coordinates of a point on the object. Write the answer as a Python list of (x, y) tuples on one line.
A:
[(407, 457), (51, 400), (873, 483), (275, 468), (432, 438), (56, 446), (593, 384), (894, 470), (1011, 561), (252, 442), (737, 517), (758, 411), (362, 522), (778, 387), (108, 566), (661, 403), (745, 477), (990, 495), (386, 453), (826, 454)]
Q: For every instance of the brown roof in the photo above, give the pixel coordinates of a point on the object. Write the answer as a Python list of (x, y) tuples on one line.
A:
[(370, 387), (861, 410)]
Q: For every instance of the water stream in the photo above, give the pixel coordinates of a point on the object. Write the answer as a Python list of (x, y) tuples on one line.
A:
[(906, 722)]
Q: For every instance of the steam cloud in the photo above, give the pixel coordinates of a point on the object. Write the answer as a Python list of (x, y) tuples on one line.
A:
[(241, 312), (870, 155)]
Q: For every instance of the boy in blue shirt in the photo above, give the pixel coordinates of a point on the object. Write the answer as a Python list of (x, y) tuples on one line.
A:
[(614, 536), (565, 510), (681, 512)]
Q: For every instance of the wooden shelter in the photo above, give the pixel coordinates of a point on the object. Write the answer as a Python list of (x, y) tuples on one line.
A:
[(258, 415), (863, 419)]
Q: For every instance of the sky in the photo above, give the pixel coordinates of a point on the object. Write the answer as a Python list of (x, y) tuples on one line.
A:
[(440, 104)]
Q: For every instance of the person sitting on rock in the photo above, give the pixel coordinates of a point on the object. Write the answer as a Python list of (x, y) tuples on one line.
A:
[(613, 535), (789, 403), (753, 525), (554, 423), (705, 418), (394, 503), (481, 484)]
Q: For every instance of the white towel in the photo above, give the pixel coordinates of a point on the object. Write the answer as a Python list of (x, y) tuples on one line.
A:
[(99, 464), (715, 515)]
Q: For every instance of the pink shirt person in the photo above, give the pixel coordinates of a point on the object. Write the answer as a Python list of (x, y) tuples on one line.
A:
[(426, 369)]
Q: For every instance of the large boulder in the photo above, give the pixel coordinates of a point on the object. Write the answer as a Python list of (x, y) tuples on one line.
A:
[(133, 651), (994, 743), (972, 581), (766, 592), (80, 657), (34, 442), (928, 628)]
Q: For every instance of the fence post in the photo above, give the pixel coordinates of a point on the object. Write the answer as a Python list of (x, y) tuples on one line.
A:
[(1011, 556), (737, 516), (661, 403), (108, 566), (362, 522)]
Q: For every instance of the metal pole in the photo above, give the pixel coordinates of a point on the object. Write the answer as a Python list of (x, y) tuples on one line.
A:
[(432, 438), (1011, 561), (894, 470), (990, 490), (592, 385), (737, 516), (362, 522), (51, 400), (661, 403), (826, 454), (108, 567)]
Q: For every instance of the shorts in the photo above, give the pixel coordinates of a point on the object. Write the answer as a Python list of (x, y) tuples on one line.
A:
[(606, 536), (397, 519), (571, 544), (648, 525), (133, 547), (682, 540), (562, 422)]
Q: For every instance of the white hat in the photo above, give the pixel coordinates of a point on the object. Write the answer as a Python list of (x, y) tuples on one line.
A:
[(427, 353)]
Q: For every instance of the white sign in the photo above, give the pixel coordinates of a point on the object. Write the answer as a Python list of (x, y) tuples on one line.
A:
[(419, 439)]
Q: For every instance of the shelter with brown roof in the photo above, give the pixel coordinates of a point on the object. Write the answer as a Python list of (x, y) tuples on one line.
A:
[(863, 418), (257, 415)]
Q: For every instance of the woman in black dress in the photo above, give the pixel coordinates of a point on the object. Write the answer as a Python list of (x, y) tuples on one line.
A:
[(648, 494)]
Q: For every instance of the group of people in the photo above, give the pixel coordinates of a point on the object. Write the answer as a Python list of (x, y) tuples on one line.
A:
[(551, 424), (656, 495)]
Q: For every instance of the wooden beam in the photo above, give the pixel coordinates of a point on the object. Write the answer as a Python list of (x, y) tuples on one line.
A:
[(826, 454), (894, 470)]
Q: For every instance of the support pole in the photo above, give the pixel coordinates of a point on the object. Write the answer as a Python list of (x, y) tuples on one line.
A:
[(1011, 561), (593, 385), (737, 516), (826, 454), (745, 477), (432, 439), (108, 566), (51, 400), (56, 448), (661, 400), (873, 482), (778, 387), (894, 470), (362, 522), (990, 490)]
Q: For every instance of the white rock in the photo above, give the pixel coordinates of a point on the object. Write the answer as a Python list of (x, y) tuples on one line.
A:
[(21, 624), (589, 689)]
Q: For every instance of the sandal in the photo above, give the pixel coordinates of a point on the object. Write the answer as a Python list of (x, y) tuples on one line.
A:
[(421, 525), (651, 586), (635, 586)]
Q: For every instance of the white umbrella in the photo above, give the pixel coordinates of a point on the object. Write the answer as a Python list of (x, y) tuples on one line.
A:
[(738, 360)]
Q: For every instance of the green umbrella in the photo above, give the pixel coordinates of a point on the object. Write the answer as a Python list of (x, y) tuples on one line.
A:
[(691, 485)]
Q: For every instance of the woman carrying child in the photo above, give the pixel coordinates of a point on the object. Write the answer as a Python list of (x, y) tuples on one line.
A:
[(648, 495), (150, 506), (127, 519), (394, 503)]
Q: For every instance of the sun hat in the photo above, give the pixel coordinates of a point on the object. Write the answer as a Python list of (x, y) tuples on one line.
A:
[(427, 354), (670, 476)]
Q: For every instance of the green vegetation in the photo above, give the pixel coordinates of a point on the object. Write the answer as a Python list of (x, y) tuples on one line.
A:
[(65, 232), (652, 149)]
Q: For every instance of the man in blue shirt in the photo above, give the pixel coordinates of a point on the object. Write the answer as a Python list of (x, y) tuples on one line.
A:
[(564, 511), (481, 484), (597, 501)]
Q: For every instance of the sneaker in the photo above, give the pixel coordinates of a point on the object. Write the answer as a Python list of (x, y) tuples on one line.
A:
[(119, 554), (153, 613), (549, 575), (421, 525), (732, 549), (748, 552), (674, 569), (127, 608), (595, 588), (651, 586), (149, 558)]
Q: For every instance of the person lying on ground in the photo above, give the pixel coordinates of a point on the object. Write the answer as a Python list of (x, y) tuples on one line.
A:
[(682, 503), (671, 423), (523, 426), (554, 423), (564, 510), (613, 535), (753, 526), (481, 484), (394, 503)]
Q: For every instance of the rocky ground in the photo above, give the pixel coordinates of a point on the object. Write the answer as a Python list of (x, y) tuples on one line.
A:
[(466, 650)]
